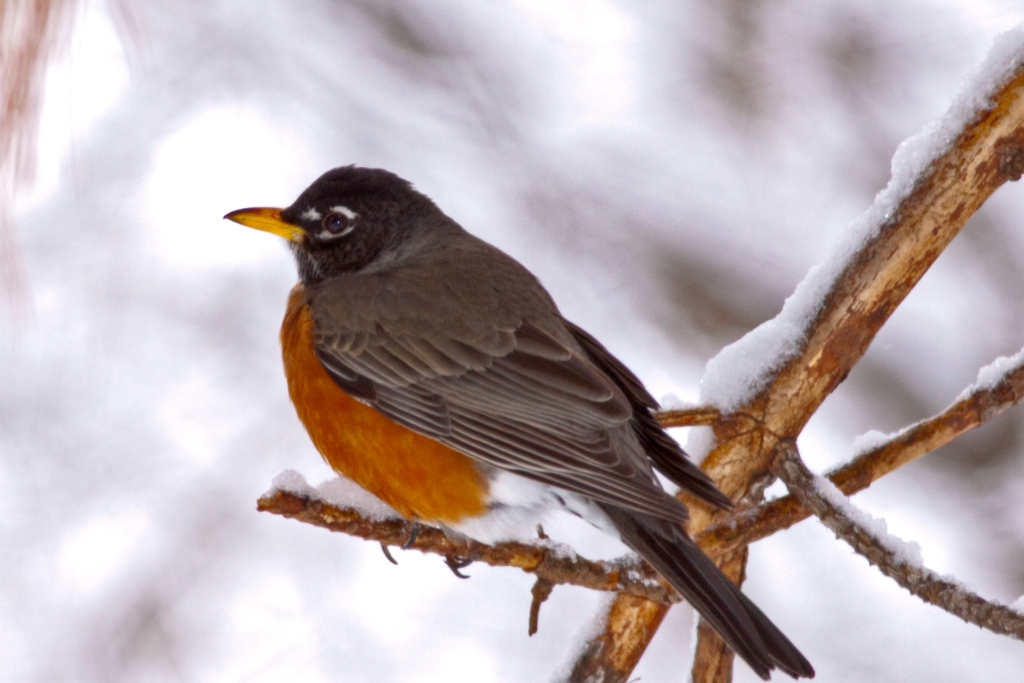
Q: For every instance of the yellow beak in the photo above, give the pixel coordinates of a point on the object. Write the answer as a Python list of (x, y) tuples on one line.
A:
[(267, 220)]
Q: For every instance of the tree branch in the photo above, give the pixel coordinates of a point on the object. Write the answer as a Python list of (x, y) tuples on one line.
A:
[(838, 514), (910, 224), (612, 655)]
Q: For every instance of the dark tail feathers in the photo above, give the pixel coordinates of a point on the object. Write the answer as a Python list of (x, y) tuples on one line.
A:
[(738, 620)]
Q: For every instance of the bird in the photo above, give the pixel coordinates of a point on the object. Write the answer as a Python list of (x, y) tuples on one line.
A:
[(436, 372)]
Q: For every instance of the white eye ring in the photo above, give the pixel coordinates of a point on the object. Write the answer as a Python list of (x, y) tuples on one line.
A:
[(338, 223)]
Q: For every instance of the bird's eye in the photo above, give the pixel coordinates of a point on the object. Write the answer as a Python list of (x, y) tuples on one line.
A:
[(336, 223)]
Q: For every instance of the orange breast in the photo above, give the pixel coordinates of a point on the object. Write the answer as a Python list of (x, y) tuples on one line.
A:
[(419, 477)]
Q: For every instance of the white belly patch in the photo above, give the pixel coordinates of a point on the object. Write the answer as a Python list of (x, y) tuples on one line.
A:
[(518, 505)]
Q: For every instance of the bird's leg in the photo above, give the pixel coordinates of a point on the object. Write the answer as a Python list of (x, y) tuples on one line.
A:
[(456, 563), (413, 534)]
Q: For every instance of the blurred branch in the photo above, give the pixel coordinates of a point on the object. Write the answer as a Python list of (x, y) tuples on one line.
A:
[(864, 292), (549, 563), (837, 513), (32, 32), (977, 406)]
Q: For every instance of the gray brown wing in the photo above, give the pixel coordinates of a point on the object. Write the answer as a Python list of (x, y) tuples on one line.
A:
[(524, 402), (665, 454)]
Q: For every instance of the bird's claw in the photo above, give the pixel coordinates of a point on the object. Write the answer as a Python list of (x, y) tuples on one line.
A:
[(456, 563), (387, 554)]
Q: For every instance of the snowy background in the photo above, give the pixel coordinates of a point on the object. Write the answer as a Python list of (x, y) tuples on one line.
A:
[(670, 170)]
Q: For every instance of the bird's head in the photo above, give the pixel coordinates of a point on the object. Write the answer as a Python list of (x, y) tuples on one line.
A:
[(349, 219)]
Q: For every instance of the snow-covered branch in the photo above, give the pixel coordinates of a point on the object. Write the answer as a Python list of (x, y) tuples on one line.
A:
[(777, 376), (896, 559)]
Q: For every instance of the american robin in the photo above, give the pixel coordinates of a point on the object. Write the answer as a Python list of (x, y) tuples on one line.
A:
[(436, 372)]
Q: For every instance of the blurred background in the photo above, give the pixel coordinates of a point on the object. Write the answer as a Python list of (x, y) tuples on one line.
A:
[(670, 170)]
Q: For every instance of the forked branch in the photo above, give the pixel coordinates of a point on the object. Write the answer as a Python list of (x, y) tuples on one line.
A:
[(843, 306)]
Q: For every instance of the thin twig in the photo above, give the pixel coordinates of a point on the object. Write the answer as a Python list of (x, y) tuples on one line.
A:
[(837, 513), (541, 591), (706, 416)]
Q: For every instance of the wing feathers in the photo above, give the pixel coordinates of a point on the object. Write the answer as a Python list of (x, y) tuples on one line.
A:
[(544, 462), (662, 449), (534, 341), (418, 410), (439, 363), (573, 376), (465, 356), (539, 407)]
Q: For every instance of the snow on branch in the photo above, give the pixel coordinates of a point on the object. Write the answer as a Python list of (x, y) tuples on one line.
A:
[(896, 559), (940, 177), (840, 306)]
